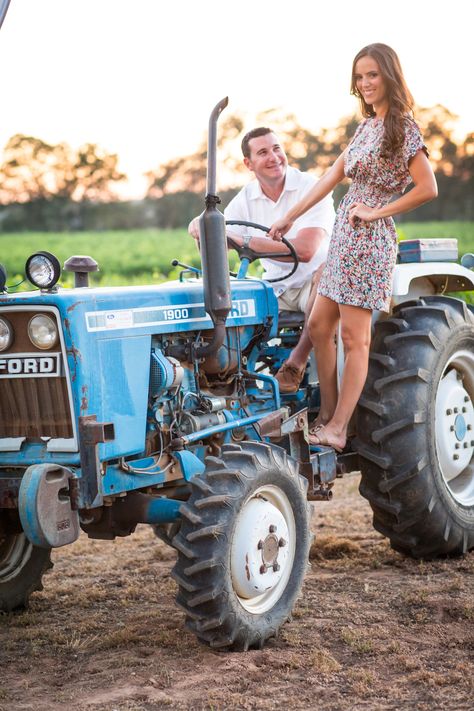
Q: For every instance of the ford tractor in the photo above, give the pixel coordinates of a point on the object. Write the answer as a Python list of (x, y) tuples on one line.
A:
[(158, 405)]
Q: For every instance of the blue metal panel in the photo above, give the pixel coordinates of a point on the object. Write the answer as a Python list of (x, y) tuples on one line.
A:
[(120, 393), (190, 464), (116, 480)]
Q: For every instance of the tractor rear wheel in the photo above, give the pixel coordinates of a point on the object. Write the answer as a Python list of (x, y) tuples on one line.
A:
[(415, 425), (22, 566), (243, 546)]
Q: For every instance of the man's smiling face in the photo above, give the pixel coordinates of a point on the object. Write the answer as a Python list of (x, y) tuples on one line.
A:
[(267, 158)]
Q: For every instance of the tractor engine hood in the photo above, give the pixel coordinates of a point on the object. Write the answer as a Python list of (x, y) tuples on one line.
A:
[(167, 308)]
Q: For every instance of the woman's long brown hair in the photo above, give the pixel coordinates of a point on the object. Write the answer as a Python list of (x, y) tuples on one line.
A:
[(400, 100)]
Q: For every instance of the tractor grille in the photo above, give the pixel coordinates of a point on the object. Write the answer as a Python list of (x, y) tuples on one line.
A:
[(33, 406)]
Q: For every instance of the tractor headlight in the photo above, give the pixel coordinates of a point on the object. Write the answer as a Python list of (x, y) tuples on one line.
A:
[(6, 334), (43, 270), (42, 331)]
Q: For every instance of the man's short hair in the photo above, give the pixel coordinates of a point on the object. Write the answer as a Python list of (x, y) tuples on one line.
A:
[(254, 133)]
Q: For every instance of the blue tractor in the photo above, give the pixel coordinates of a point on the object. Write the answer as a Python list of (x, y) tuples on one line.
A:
[(158, 405)]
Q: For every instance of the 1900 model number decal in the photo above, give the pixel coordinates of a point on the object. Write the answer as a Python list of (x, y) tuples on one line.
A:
[(30, 365), (175, 314), (161, 315)]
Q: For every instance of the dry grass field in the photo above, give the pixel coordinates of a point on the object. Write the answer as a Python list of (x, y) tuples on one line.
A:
[(372, 631)]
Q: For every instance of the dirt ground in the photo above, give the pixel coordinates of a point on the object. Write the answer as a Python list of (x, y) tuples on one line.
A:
[(372, 631)]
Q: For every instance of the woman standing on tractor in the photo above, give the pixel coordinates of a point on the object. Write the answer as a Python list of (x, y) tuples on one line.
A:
[(385, 155)]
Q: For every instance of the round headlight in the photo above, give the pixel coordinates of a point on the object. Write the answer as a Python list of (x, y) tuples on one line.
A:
[(6, 334), (42, 331), (43, 270)]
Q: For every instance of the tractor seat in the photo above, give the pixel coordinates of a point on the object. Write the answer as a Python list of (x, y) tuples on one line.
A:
[(290, 319)]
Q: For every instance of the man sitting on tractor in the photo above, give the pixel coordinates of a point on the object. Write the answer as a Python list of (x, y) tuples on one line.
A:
[(275, 189)]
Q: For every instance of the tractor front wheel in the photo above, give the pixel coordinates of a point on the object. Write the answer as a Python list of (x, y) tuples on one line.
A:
[(22, 566), (243, 546)]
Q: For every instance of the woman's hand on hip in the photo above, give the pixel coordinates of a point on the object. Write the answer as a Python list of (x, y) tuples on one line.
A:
[(280, 228), (359, 211)]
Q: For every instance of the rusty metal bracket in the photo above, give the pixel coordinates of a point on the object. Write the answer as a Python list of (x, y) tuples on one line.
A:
[(92, 433), (296, 427), (324, 472), (271, 424), (319, 468), (296, 423)]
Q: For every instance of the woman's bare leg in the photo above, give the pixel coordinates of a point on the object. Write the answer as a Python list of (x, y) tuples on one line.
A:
[(322, 328), (355, 333), (300, 353)]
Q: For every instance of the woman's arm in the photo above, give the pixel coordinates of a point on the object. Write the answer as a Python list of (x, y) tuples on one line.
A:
[(319, 191), (424, 189)]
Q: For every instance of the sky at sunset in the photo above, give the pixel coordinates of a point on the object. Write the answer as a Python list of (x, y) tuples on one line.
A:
[(140, 78)]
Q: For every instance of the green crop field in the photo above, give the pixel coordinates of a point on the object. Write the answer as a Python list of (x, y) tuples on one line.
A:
[(129, 257), (144, 256)]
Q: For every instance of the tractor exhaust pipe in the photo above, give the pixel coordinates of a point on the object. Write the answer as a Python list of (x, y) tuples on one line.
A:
[(212, 236)]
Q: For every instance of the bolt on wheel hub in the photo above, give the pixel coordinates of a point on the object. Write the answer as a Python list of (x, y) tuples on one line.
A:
[(270, 547)]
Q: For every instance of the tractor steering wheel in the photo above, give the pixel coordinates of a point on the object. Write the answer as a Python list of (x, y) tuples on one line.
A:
[(248, 252)]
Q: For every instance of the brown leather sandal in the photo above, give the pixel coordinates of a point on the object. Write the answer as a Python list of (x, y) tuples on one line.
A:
[(316, 437)]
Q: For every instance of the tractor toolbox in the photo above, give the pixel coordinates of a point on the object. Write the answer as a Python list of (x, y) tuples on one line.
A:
[(428, 250)]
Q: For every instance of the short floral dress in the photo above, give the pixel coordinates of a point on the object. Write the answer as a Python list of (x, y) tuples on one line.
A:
[(360, 263)]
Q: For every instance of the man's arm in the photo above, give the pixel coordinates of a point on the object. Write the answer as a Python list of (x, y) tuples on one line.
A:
[(320, 190), (306, 244), (193, 229), (306, 241)]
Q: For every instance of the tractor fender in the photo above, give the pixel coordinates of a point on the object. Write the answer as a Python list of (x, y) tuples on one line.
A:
[(425, 278)]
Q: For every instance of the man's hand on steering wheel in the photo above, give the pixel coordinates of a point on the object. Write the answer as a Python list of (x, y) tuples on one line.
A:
[(246, 252)]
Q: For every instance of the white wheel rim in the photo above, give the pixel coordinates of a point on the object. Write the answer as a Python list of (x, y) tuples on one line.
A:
[(15, 552), (454, 426), (263, 549)]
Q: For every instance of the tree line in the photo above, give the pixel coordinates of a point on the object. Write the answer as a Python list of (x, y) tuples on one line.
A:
[(54, 187)]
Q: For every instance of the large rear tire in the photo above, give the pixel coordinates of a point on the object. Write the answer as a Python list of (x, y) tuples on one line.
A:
[(243, 546), (415, 426), (22, 567)]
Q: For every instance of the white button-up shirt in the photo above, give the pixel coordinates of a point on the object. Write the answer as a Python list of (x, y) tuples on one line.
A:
[(252, 205)]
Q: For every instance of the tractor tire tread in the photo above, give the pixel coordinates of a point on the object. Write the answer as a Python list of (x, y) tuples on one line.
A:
[(15, 593), (394, 419), (212, 611)]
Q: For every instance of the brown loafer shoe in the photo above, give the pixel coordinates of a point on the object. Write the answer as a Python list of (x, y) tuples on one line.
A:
[(289, 377)]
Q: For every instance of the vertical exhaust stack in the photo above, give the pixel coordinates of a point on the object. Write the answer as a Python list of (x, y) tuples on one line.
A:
[(215, 268)]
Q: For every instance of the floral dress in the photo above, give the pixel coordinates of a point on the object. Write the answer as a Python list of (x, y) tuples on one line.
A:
[(361, 259)]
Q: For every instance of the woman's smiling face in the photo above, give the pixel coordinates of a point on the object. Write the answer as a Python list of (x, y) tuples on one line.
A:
[(370, 83)]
